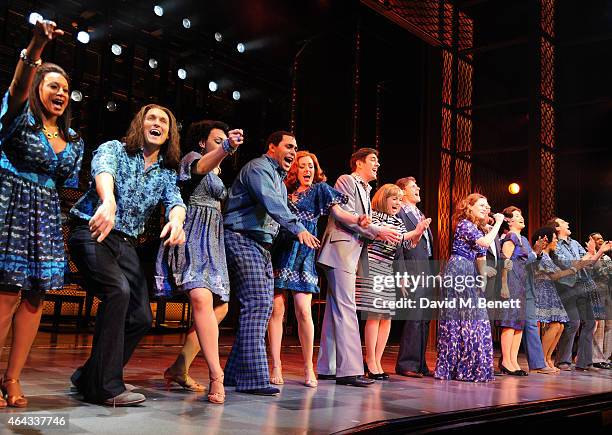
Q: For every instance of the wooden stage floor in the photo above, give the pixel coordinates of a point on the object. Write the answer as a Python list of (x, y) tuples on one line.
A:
[(298, 409)]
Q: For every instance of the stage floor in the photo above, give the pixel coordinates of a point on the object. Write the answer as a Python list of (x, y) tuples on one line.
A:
[(298, 409)]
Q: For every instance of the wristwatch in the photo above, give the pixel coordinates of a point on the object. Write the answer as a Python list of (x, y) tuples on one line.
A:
[(32, 64)]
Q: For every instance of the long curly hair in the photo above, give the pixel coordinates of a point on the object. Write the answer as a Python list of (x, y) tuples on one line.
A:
[(292, 182), (36, 106), (135, 138), (462, 211)]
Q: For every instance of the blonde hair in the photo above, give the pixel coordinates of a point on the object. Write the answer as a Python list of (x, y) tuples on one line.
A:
[(379, 201)]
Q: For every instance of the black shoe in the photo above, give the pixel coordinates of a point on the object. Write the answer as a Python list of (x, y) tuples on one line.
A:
[(322, 377), (428, 373), (355, 381), (376, 376), (506, 371), (409, 374), (602, 365), (268, 391), (385, 376), (522, 372)]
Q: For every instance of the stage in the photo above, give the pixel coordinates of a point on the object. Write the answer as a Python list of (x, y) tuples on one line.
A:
[(326, 409)]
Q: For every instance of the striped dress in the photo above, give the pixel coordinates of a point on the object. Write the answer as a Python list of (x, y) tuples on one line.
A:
[(371, 296)]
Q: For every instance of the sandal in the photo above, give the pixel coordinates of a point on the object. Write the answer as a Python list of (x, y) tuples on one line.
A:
[(13, 400), (219, 397), (277, 376), (184, 380), (311, 378)]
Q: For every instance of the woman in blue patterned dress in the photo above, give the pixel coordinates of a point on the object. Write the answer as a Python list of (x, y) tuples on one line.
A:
[(514, 284), (549, 308), (198, 267), (294, 263), (465, 346), (38, 153)]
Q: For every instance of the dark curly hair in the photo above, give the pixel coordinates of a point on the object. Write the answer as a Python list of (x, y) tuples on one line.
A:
[(199, 131)]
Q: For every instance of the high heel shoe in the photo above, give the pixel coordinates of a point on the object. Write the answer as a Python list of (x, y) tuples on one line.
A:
[(184, 380), (506, 371), (15, 401), (278, 378), (218, 397), (310, 381)]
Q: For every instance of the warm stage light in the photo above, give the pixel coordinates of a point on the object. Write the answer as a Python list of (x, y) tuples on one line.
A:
[(116, 49), (152, 63), (181, 73), (514, 188), (213, 86), (158, 10), (236, 95)]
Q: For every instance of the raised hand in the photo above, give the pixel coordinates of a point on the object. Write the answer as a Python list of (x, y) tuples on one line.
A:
[(498, 217), (540, 244), (45, 31), (236, 137)]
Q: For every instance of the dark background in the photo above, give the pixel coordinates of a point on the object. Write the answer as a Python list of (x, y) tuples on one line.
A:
[(404, 68)]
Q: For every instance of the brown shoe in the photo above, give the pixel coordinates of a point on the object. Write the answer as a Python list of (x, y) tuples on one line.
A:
[(127, 398), (409, 374)]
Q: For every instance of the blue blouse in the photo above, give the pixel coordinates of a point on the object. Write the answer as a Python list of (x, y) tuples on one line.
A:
[(137, 191)]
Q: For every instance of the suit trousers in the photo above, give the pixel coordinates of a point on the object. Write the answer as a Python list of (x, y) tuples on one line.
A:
[(340, 352), (112, 272), (413, 345), (577, 303)]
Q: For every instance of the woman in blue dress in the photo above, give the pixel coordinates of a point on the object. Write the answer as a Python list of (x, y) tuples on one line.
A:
[(465, 346), (514, 285), (294, 263), (549, 308), (198, 267), (39, 152)]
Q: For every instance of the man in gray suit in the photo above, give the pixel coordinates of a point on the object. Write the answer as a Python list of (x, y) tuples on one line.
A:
[(343, 254)]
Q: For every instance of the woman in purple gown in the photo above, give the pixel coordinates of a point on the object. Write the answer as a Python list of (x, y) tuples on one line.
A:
[(465, 347)]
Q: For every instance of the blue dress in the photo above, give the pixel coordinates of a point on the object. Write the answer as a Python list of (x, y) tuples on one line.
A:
[(200, 262), (465, 346), (517, 282), (549, 307), (294, 263), (31, 242)]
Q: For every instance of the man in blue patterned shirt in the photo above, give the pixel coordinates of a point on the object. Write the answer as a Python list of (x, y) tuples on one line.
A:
[(255, 208), (130, 179)]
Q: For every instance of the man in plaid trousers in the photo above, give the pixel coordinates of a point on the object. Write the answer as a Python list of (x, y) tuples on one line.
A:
[(256, 206)]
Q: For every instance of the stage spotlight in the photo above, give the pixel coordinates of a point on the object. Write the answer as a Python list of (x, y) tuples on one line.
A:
[(76, 96), (213, 86), (34, 18), (514, 188), (158, 10), (181, 73), (236, 95), (111, 106), (240, 47), (83, 37), (186, 23), (218, 37), (179, 126), (152, 63), (116, 49)]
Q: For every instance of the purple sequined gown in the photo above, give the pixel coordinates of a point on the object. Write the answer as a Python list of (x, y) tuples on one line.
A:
[(465, 347)]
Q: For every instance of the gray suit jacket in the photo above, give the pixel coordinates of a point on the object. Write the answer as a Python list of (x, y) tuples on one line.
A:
[(342, 245)]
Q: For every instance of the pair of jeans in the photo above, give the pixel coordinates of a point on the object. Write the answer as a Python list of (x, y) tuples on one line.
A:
[(111, 272)]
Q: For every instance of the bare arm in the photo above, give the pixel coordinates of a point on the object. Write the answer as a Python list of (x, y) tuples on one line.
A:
[(103, 221), (44, 31), (486, 240), (213, 158)]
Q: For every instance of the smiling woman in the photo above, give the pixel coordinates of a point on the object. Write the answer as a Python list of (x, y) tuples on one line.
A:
[(38, 153)]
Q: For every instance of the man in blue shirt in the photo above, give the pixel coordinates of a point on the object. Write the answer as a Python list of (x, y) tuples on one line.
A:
[(130, 179), (255, 209)]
